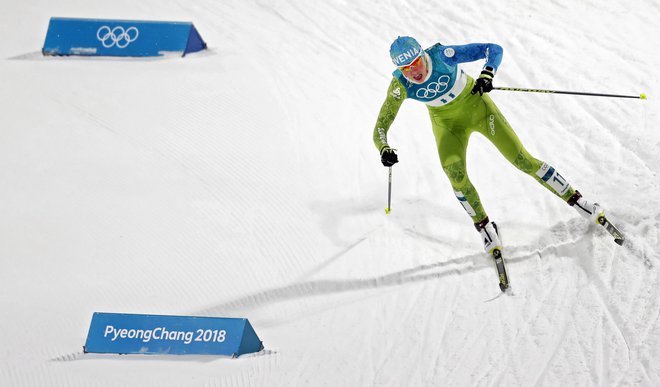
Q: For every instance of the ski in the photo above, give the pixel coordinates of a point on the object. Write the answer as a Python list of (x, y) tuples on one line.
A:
[(618, 236), (501, 270)]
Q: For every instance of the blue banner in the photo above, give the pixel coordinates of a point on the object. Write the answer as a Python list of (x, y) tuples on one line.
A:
[(177, 335), (102, 37)]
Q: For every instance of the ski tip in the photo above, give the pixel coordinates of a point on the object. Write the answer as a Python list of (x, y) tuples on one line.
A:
[(642, 96), (504, 287), (507, 290), (388, 210), (619, 241)]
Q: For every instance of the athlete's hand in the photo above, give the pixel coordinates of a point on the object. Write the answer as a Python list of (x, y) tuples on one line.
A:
[(388, 157), (484, 83)]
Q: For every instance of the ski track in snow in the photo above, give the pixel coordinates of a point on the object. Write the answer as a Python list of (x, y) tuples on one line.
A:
[(242, 182)]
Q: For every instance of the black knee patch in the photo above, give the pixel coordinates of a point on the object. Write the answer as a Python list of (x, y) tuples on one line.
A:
[(573, 199), (479, 226)]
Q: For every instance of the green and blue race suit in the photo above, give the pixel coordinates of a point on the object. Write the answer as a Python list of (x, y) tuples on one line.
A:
[(456, 113)]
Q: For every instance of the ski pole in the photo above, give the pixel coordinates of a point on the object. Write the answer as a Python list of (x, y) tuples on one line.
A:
[(389, 191), (641, 96)]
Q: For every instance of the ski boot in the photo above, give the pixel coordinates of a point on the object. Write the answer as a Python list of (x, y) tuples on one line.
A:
[(493, 246), (593, 212)]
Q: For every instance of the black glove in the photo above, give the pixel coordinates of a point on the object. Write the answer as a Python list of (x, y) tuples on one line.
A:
[(388, 157), (484, 83)]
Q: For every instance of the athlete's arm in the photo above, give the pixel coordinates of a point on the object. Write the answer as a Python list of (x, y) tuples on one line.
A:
[(396, 93), (473, 51)]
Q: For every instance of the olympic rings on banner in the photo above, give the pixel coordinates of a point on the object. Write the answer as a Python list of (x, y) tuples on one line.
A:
[(117, 36)]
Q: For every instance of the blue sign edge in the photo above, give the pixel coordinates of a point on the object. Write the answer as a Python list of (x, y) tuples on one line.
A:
[(195, 42), (248, 334), (80, 19)]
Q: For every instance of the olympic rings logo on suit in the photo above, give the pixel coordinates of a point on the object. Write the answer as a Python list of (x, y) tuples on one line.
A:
[(434, 88), (118, 36)]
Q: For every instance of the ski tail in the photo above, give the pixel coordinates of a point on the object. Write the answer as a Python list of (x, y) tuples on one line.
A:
[(501, 270), (618, 236)]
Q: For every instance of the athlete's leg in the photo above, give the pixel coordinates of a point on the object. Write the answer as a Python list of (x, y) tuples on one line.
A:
[(495, 127), (451, 127), (452, 144)]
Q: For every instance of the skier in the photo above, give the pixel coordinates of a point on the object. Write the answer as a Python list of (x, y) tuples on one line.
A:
[(459, 106)]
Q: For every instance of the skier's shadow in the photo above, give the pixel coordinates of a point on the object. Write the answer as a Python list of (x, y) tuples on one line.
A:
[(469, 263), (323, 287)]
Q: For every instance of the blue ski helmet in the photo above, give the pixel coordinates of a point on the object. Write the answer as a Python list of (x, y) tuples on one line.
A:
[(404, 50)]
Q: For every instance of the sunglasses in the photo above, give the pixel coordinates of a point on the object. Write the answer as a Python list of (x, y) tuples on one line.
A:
[(415, 63)]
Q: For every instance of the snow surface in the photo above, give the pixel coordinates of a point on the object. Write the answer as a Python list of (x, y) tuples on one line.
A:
[(243, 182)]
